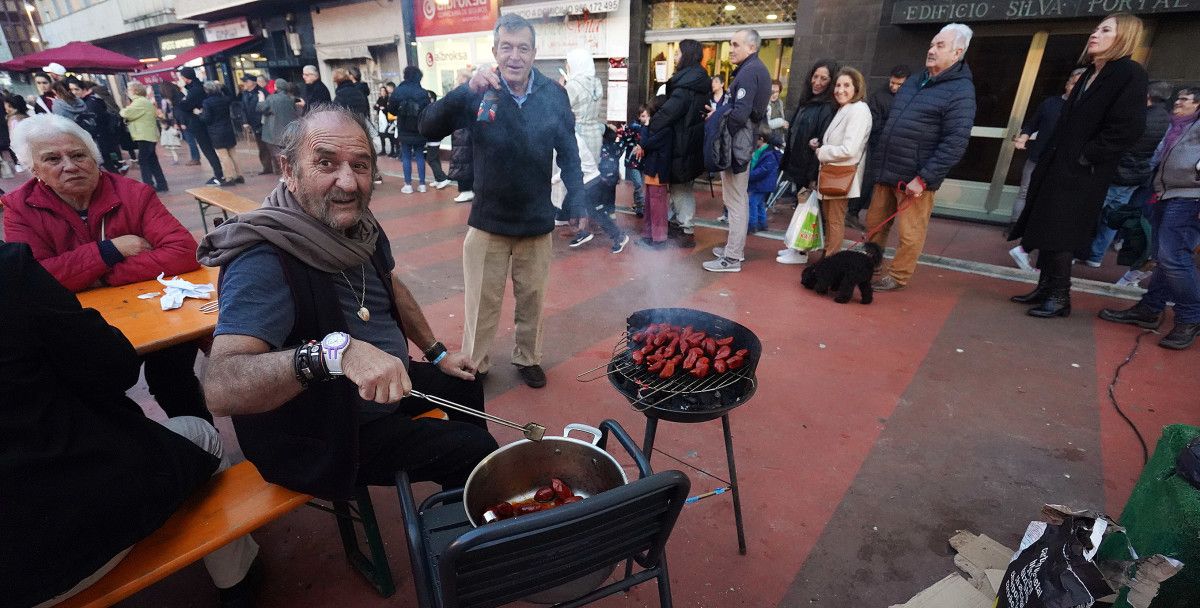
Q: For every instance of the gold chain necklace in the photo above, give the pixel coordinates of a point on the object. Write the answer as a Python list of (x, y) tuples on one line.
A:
[(363, 313)]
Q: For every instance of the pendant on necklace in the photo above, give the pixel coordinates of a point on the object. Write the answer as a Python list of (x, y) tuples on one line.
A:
[(364, 314)]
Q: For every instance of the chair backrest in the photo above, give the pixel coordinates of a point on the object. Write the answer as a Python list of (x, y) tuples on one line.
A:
[(506, 561)]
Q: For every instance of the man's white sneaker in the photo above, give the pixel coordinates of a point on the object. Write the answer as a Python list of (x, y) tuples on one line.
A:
[(1132, 278), (407, 189), (793, 257), (723, 265), (782, 252), (465, 197), (441, 184), (422, 188), (1021, 258)]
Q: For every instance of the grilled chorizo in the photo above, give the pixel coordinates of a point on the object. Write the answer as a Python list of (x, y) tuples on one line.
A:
[(726, 341), (561, 489), (723, 352), (735, 362), (710, 346), (719, 366)]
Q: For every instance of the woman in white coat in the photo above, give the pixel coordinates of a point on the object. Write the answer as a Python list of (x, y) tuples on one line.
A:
[(844, 144)]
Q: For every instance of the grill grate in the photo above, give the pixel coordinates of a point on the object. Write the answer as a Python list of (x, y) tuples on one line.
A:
[(653, 389)]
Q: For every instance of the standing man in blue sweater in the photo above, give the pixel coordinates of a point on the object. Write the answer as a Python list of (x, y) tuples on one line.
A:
[(518, 119), (925, 137)]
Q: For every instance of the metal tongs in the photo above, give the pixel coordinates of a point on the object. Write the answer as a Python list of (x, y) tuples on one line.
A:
[(532, 431)]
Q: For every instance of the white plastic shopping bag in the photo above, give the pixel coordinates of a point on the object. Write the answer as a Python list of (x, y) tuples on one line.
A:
[(805, 231)]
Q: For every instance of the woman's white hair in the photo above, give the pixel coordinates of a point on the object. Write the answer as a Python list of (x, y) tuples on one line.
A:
[(962, 35), (40, 127)]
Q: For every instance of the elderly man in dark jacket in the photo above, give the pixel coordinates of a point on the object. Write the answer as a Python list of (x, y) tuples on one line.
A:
[(518, 119), (749, 94), (925, 137), (189, 109), (688, 91), (1133, 170), (248, 101), (315, 91)]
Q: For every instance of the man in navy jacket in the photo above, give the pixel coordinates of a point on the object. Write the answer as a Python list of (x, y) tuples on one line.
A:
[(925, 137), (749, 94), (518, 119)]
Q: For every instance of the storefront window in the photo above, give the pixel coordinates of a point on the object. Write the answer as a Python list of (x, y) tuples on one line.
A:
[(441, 58), (775, 53), (673, 14)]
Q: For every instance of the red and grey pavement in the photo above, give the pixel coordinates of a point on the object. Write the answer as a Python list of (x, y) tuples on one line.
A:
[(876, 432)]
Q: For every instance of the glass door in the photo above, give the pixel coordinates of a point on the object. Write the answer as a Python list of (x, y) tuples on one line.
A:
[(984, 185)]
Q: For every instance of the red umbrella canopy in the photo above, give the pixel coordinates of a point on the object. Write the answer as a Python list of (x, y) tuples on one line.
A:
[(76, 57)]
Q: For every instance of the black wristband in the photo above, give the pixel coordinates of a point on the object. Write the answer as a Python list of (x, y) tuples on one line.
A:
[(309, 365), (434, 351)]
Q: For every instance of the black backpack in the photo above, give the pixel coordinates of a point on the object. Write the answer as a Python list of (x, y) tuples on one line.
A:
[(88, 120)]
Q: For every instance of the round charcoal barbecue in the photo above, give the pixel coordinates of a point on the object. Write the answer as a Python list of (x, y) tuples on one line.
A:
[(683, 398)]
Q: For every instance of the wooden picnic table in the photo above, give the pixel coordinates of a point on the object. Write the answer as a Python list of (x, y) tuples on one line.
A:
[(144, 322), (225, 201)]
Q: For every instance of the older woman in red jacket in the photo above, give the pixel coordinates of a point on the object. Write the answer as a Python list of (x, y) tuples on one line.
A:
[(91, 228)]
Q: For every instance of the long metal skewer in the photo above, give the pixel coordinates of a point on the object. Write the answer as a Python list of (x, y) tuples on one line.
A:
[(532, 431)]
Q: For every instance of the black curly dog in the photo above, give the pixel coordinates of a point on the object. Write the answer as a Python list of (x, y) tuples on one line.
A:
[(842, 271)]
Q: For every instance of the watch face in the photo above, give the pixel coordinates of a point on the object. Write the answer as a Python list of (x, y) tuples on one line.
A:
[(336, 340)]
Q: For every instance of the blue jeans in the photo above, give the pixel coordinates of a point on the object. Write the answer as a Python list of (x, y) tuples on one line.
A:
[(1118, 196), (192, 148), (409, 153), (639, 187), (758, 209), (1176, 224)]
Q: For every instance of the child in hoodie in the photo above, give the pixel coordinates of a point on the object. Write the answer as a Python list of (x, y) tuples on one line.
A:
[(655, 153), (764, 174), (600, 185)]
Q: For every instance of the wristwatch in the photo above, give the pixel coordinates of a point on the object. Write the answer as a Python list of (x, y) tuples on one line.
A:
[(332, 348), (435, 352)]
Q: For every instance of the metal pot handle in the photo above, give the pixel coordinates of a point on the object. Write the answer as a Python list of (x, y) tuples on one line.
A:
[(590, 430)]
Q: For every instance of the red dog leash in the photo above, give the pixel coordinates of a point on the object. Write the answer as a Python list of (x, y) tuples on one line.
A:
[(906, 202)]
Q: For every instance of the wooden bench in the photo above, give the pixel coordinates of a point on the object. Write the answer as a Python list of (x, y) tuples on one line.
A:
[(235, 502), (226, 201)]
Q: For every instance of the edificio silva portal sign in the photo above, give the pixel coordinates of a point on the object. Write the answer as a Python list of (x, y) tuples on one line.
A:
[(918, 11)]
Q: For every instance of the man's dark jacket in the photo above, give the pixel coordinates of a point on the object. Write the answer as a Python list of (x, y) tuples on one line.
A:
[(927, 131), (749, 94), (351, 97), (83, 473), (310, 443), (513, 155), (1135, 166), (194, 100), (248, 107), (315, 93), (688, 91)]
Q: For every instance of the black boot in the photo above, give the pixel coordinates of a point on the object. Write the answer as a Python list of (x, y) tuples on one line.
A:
[(1056, 304), (1039, 293)]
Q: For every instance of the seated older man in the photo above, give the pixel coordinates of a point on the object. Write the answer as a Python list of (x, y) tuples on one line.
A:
[(311, 350), (84, 475), (91, 228)]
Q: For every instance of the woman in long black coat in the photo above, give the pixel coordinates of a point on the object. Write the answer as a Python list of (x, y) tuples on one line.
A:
[(219, 124), (1103, 117), (813, 114), (683, 112)]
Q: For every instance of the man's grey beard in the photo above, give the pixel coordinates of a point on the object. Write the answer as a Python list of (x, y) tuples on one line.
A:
[(321, 209)]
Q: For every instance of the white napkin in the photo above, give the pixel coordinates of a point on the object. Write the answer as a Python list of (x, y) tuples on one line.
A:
[(177, 289)]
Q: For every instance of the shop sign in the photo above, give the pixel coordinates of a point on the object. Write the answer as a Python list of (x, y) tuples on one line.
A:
[(920, 11), (604, 34), (174, 44), (439, 17), (542, 10), (227, 30)]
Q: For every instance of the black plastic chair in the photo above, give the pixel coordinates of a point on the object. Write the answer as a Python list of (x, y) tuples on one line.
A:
[(457, 566)]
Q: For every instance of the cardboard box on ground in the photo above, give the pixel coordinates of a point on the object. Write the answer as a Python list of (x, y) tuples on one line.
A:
[(993, 575)]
